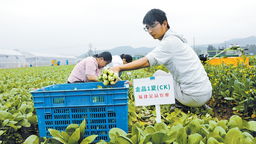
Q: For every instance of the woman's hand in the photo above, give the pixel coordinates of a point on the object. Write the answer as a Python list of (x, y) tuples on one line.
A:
[(92, 78)]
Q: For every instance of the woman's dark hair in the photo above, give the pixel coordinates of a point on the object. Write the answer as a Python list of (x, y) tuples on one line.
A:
[(155, 15), (127, 57), (106, 56)]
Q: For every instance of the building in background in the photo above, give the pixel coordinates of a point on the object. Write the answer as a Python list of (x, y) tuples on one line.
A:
[(15, 59), (11, 59), (42, 59), (136, 57)]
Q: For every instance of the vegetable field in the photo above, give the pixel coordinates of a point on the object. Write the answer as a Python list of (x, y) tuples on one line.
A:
[(231, 119)]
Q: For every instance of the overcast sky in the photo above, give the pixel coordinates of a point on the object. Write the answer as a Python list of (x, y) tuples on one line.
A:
[(69, 26)]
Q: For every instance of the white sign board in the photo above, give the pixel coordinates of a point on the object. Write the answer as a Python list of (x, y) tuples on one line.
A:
[(153, 91)]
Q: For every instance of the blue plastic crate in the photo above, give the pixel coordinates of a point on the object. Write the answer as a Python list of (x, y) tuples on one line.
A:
[(58, 106)]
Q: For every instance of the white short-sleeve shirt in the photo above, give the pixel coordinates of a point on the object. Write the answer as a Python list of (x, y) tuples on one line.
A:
[(116, 61), (182, 62)]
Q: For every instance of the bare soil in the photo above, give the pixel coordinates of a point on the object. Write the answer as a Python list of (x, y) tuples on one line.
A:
[(220, 112)]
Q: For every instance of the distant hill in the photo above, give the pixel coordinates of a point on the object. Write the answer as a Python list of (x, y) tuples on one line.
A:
[(240, 41), (124, 50), (130, 50), (243, 41), (144, 50)]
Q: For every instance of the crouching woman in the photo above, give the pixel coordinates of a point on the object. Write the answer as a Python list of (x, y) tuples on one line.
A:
[(89, 68)]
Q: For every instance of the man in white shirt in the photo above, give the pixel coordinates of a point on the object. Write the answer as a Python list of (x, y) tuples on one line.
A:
[(120, 60), (192, 87)]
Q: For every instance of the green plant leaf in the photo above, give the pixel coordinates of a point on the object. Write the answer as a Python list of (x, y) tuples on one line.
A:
[(233, 136), (32, 139), (212, 125), (220, 131), (247, 135), (124, 140), (203, 131), (4, 108), (254, 140), (135, 131), (113, 131), (56, 133), (18, 118), (229, 98), (134, 139), (159, 137), (193, 126), (65, 136), (212, 140), (101, 142), (138, 124), (1, 132), (5, 122), (24, 123), (5, 115), (74, 138), (238, 120), (252, 125), (194, 138), (29, 114), (238, 86), (71, 129), (44, 140), (15, 115), (223, 124), (161, 126), (14, 128), (11, 123), (216, 136), (245, 124), (89, 139), (142, 139), (8, 104), (32, 120), (173, 132), (149, 129), (232, 124), (82, 128), (148, 138), (181, 136), (23, 108), (57, 140), (248, 141)]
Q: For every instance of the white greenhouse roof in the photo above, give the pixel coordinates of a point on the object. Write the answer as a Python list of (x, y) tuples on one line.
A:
[(32, 54), (10, 52)]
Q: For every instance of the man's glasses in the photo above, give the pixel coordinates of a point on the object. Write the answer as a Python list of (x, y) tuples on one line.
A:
[(150, 27)]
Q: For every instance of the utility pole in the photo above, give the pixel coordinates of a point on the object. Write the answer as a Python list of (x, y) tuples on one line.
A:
[(90, 50)]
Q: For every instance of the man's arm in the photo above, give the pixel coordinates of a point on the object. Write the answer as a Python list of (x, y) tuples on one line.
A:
[(140, 63)]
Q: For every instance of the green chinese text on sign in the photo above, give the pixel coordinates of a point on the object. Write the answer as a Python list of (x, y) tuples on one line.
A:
[(152, 88)]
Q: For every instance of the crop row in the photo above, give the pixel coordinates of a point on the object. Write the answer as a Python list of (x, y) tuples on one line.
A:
[(233, 90)]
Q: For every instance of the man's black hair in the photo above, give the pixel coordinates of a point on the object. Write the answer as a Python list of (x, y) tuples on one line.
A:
[(127, 57), (155, 15)]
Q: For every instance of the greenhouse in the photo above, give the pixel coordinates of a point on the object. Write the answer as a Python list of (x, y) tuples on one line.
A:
[(11, 59), (42, 59)]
